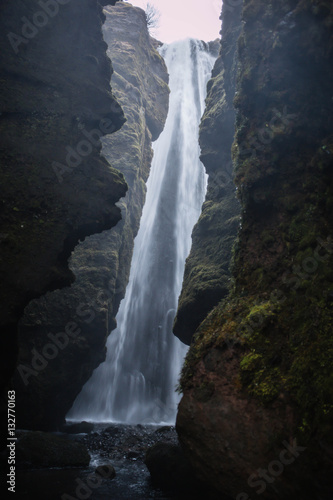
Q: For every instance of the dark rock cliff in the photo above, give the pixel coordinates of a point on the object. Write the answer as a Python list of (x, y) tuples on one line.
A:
[(256, 413), (54, 86), (76, 321)]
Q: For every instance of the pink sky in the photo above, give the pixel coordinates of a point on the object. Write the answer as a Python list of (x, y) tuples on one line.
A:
[(186, 18)]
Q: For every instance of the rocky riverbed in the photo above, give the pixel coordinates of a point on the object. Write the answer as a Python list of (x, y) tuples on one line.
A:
[(117, 468)]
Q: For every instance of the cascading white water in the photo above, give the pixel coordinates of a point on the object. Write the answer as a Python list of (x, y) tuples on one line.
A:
[(136, 383)]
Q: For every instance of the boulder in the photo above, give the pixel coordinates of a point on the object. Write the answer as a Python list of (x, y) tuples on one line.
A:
[(49, 450), (170, 469), (107, 471)]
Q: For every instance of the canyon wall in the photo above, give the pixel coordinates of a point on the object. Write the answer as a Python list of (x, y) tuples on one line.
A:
[(63, 334), (56, 188), (256, 413)]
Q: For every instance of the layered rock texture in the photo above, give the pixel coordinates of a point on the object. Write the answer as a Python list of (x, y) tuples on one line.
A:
[(63, 334), (55, 85), (256, 413)]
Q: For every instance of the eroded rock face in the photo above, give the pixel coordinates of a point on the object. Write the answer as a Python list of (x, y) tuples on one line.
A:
[(55, 190), (256, 414), (101, 263)]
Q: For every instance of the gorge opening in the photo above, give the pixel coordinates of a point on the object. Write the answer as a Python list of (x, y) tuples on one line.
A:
[(137, 382)]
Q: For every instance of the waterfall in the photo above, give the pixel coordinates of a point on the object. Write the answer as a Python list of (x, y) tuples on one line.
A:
[(136, 383)]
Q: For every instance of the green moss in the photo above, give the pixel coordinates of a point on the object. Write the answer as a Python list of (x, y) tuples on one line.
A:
[(207, 273), (250, 361), (283, 352), (264, 310), (266, 385)]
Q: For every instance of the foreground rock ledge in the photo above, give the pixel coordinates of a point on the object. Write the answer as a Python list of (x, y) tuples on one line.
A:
[(48, 450)]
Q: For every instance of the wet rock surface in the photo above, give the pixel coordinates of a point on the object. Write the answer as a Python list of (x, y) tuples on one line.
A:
[(116, 441)]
